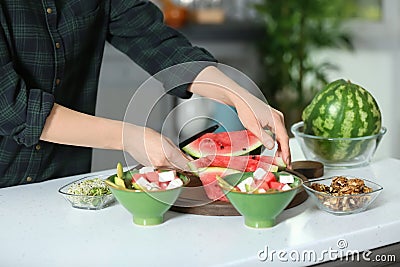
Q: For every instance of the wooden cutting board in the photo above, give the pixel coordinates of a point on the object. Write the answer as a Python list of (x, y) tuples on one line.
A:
[(194, 200)]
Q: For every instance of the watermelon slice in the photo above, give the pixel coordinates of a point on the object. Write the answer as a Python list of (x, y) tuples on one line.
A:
[(278, 161), (241, 163), (224, 143), (208, 177)]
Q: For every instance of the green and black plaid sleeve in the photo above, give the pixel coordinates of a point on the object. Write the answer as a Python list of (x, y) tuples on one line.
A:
[(51, 52), (23, 110), (137, 29)]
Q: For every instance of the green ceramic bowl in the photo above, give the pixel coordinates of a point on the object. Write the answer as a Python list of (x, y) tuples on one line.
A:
[(258, 210), (147, 208)]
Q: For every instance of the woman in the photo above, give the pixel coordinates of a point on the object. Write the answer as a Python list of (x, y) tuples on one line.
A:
[(50, 58)]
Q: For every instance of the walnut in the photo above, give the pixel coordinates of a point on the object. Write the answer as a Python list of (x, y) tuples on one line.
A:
[(356, 182), (343, 193), (319, 187), (346, 190), (367, 189), (339, 182)]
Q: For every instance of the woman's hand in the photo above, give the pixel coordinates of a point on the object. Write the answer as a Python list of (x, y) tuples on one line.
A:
[(150, 148), (254, 114), (258, 117)]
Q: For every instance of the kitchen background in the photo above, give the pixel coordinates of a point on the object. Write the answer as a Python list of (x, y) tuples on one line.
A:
[(229, 30)]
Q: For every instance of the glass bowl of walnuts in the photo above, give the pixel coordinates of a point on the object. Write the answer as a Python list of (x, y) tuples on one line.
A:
[(342, 195)]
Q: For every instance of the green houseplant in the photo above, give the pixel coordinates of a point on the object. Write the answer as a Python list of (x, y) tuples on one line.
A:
[(294, 31)]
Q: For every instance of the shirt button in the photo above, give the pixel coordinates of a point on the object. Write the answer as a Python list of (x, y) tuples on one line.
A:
[(38, 147), (49, 10), (58, 81), (58, 45), (29, 179)]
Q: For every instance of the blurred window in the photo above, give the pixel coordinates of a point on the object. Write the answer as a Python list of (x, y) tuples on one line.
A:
[(371, 10)]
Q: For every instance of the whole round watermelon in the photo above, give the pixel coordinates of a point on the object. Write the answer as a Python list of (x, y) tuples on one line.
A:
[(341, 110)]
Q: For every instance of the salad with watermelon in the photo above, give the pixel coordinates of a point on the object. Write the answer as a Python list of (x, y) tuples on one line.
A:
[(147, 179), (261, 181), (221, 154)]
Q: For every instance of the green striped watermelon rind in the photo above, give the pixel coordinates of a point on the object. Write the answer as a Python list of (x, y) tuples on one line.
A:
[(334, 113), (341, 110)]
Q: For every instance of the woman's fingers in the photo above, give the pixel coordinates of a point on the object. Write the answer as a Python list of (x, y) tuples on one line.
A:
[(176, 157), (281, 136)]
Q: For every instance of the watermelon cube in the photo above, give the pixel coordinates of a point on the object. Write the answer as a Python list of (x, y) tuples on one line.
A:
[(152, 176), (270, 178), (276, 185), (260, 184)]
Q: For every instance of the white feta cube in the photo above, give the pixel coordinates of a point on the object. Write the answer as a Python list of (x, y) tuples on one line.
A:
[(261, 190), (154, 186), (143, 183), (144, 170), (286, 179), (242, 185), (259, 174), (174, 184), (166, 176), (286, 187)]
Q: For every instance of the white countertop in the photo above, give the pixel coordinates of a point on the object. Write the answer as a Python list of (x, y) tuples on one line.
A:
[(39, 228)]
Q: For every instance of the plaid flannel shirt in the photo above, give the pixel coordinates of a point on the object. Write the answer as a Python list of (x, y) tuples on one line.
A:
[(51, 51)]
